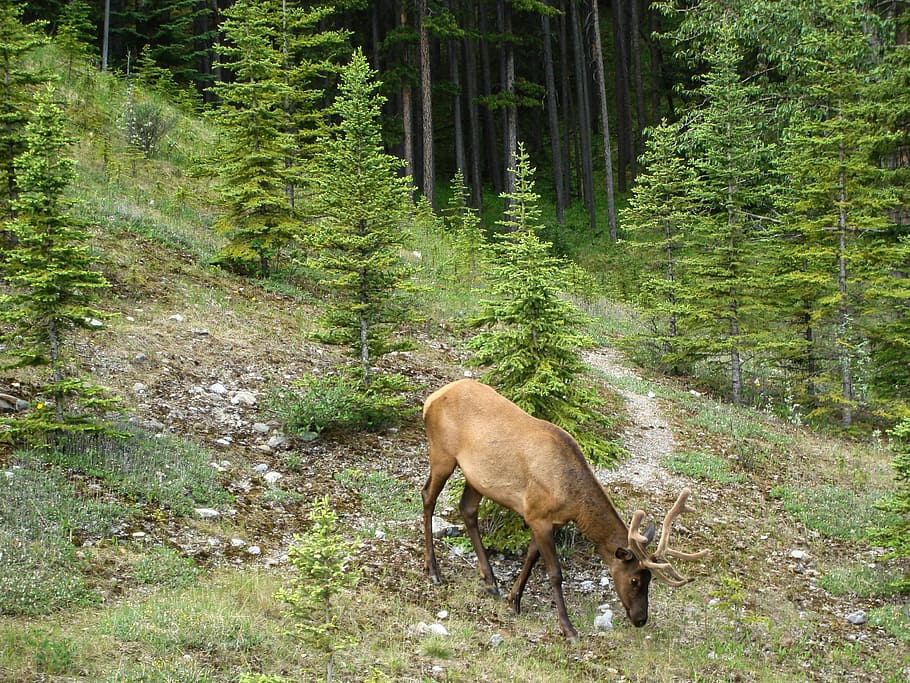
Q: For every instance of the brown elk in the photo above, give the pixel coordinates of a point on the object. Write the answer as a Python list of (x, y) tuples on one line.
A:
[(537, 470)]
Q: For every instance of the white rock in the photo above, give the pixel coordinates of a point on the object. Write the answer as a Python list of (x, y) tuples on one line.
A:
[(276, 441), (245, 397), (261, 468), (254, 550), (207, 513), (272, 477), (139, 388), (442, 614), (858, 618), (799, 555), (260, 428), (218, 388), (495, 640), (425, 629), (177, 318), (237, 542), (604, 622)]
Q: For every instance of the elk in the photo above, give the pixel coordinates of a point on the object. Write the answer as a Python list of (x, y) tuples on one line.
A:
[(537, 470)]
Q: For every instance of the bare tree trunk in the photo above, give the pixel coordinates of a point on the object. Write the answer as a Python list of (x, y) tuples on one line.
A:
[(640, 116), (470, 47), (407, 105), (565, 96), (843, 332), (489, 128), (452, 49), (426, 88), (623, 104), (511, 111), (605, 122), (553, 120)]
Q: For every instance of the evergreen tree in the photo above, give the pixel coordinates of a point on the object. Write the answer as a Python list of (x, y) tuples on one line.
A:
[(530, 334), (658, 220), (250, 159), (16, 43), (723, 299), (837, 204), (52, 284), (361, 203)]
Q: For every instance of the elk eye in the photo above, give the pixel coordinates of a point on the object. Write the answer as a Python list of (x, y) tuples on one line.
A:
[(635, 581)]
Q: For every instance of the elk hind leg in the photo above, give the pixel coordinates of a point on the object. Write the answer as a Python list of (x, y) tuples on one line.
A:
[(430, 492), (544, 538), (470, 501)]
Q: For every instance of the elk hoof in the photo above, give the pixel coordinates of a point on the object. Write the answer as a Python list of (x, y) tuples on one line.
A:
[(493, 590)]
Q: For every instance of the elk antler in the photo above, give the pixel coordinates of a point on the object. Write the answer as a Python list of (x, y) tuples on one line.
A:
[(662, 569)]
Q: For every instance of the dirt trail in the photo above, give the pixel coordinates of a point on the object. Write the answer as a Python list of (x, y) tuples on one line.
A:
[(648, 436)]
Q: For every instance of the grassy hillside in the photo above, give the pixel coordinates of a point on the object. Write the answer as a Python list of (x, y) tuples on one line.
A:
[(108, 571)]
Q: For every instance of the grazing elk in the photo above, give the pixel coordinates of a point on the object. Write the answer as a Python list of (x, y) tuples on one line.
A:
[(537, 470)]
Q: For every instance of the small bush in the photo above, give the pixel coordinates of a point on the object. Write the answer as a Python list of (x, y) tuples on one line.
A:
[(146, 126), (339, 402)]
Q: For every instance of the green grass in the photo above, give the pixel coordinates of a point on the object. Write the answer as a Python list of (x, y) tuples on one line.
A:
[(833, 511), (382, 497), (704, 466), (166, 567), (861, 580)]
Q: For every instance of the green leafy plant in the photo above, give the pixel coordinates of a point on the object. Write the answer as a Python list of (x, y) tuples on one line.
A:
[(834, 511), (703, 466), (321, 559), (383, 497)]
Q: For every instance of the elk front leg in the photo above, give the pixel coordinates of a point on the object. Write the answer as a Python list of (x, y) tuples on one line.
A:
[(470, 501)]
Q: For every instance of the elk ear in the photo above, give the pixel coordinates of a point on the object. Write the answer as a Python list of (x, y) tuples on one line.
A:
[(624, 554)]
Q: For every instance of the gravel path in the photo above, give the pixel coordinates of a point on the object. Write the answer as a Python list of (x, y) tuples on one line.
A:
[(648, 436)]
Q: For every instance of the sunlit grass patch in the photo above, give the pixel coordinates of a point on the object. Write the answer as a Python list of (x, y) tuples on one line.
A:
[(895, 619), (862, 580), (167, 568)]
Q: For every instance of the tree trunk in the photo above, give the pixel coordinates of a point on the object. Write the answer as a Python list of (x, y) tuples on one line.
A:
[(584, 117), (553, 120), (511, 111), (565, 96), (490, 145), (452, 48), (623, 104), (640, 116), (470, 54), (407, 105), (426, 89), (605, 122)]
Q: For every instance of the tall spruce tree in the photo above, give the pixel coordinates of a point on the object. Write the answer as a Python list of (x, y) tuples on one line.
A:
[(531, 336), (361, 204), (17, 41), (657, 220), (52, 283), (837, 204), (250, 160), (723, 297)]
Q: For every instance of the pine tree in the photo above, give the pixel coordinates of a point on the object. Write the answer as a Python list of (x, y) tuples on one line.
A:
[(837, 204), (530, 336), (658, 219), (16, 43), (361, 203), (52, 283), (251, 158), (723, 300)]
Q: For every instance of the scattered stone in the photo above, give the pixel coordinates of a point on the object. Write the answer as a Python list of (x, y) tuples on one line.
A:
[(799, 555), (237, 542), (425, 629), (379, 535), (254, 550), (139, 388), (206, 513), (224, 442), (245, 397), (858, 618), (441, 528), (138, 535), (272, 477), (201, 333), (260, 428), (604, 622), (218, 389), (586, 586), (308, 436), (177, 318), (94, 322), (140, 358), (276, 441), (260, 468), (442, 614), (495, 641)]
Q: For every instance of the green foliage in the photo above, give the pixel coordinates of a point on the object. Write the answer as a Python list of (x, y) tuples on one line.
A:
[(339, 402), (52, 283), (864, 581), (146, 124), (321, 559), (167, 568), (249, 161), (530, 334), (704, 466), (361, 203), (40, 516), (895, 619), (896, 535), (165, 471), (834, 511), (382, 497)]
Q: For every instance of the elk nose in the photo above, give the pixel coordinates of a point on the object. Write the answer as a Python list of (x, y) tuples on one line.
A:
[(640, 621)]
